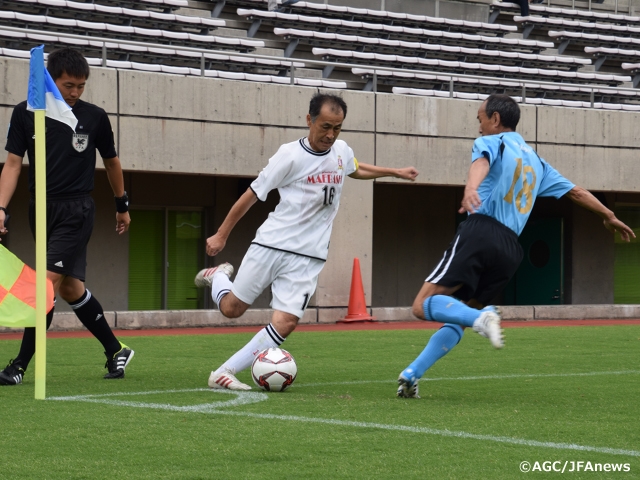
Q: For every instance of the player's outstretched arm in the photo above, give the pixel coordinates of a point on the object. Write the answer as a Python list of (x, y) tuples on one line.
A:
[(477, 173), (369, 172), (585, 199), (8, 183), (116, 180), (216, 243)]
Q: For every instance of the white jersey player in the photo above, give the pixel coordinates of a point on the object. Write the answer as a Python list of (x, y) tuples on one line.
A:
[(291, 246)]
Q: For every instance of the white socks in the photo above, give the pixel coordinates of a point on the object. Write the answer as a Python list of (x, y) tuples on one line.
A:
[(220, 286), (268, 337), (243, 358)]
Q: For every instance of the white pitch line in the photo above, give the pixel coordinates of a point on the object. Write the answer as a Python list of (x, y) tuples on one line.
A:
[(120, 394), (244, 398), (482, 377), (433, 431)]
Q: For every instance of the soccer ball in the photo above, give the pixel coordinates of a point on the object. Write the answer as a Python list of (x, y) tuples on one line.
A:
[(274, 369)]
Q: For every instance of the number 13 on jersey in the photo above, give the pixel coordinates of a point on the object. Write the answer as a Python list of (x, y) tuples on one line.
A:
[(527, 187)]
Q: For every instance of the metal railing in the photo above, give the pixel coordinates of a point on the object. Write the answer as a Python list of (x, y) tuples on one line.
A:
[(451, 77), (548, 2)]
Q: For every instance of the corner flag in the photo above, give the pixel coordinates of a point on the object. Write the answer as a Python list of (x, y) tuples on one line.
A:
[(18, 292), (44, 94), (43, 99)]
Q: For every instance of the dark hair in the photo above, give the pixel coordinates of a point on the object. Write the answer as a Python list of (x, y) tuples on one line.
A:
[(319, 99), (69, 61), (507, 108)]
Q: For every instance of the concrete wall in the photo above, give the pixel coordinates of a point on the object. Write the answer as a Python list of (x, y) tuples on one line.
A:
[(412, 228), (212, 133), (473, 11), (592, 262), (108, 253)]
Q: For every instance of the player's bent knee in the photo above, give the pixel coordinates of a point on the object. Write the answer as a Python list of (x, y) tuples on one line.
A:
[(232, 312), (284, 323), (71, 289), (231, 307), (418, 309)]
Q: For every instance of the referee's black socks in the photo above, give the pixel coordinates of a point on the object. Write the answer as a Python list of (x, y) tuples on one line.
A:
[(90, 313), (28, 345)]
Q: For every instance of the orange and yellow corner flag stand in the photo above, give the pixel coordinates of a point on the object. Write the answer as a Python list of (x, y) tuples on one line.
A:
[(18, 292)]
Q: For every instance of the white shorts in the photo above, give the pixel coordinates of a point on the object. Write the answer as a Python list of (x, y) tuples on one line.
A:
[(293, 278)]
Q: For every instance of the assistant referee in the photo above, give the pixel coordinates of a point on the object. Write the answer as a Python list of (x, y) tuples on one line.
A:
[(71, 163)]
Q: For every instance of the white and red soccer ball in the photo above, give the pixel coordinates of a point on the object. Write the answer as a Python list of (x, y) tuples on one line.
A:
[(274, 369)]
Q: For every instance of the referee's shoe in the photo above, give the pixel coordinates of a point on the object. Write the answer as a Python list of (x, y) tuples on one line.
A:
[(118, 362), (12, 374)]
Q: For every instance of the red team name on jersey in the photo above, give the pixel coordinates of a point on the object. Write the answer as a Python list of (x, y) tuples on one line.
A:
[(325, 178)]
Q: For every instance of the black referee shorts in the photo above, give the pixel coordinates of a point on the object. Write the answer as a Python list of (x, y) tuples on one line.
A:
[(69, 227), (483, 257)]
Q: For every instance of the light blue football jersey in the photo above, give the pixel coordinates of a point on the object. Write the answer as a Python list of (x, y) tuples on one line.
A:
[(516, 178)]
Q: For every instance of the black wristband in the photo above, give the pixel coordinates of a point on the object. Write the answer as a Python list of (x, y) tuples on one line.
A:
[(122, 203), (4, 210)]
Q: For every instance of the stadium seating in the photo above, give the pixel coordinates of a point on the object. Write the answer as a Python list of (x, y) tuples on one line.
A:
[(429, 50), (33, 6), (313, 37), (527, 100), (541, 25), (506, 11), (468, 84), (125, 32), (580, 40), (96, 12), (451, 66), (379, 30), (403, 51), (612, 56), (351, 14), (634, 69), (147, 67), (154, 55)]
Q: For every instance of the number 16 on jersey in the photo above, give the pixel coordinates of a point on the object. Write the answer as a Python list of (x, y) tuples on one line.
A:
[(329, 193)]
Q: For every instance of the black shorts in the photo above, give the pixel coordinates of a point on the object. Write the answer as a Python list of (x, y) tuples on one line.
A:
[(483, 257), (69, 228)]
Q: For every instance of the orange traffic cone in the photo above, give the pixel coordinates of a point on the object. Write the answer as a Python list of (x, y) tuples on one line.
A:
[(357, 311)]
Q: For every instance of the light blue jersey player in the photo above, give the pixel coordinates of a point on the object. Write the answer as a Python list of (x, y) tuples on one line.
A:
[(505, 178), (517, 176)]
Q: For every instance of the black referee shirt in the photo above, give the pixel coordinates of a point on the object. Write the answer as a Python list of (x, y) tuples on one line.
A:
[(71, 156)]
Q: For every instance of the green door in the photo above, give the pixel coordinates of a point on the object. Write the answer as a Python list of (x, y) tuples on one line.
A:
[(165, 253), (626, 285), (540, 278), (146, 252), (185, 258)]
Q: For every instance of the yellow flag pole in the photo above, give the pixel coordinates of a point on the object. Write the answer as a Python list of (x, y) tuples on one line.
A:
[(41, 256)]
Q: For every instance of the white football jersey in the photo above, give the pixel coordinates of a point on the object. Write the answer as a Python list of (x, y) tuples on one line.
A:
[(310, 184)]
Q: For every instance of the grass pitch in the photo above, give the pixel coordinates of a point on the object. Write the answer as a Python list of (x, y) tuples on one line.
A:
[(558, 394)]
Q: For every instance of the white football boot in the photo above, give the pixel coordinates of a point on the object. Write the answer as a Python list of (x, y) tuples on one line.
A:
[(224, 378), (488, 325), (205, 277)]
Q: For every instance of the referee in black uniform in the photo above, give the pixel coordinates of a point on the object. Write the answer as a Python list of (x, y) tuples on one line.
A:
[(71, 163)]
